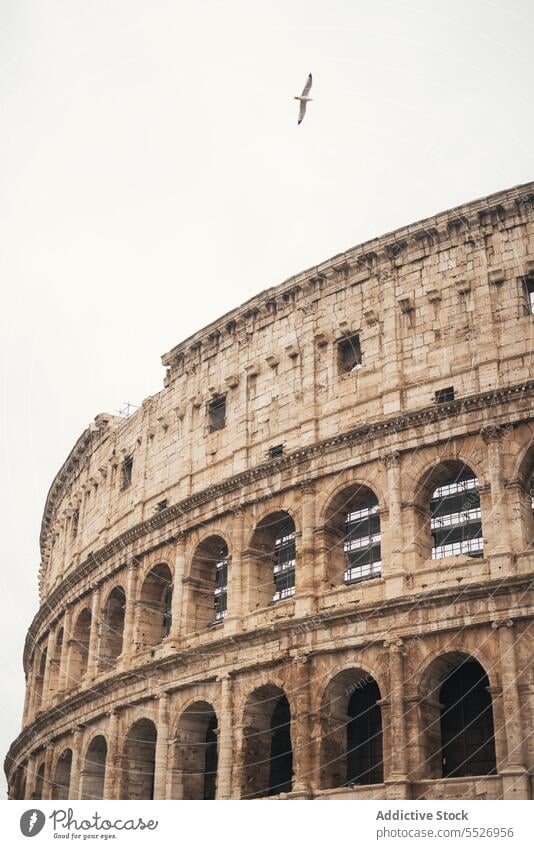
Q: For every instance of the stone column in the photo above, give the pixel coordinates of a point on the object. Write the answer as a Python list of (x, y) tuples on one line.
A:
[(64, 659), (301, 730), (111, 778), (236, 583), (30, 778), (514, 775), (92, 658), (162, 748), (76, 765), (305, 572), (392, 564), (225, 741), (129, 614), (48, 777), (50, 653), (398, 772), (177, 592), (495, 526)]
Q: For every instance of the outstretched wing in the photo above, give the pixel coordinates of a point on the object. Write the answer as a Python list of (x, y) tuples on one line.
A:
[(302, 110), (307, 87)]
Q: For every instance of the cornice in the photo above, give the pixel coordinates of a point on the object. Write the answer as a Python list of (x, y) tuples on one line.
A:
[(176, 512), (325, 620)]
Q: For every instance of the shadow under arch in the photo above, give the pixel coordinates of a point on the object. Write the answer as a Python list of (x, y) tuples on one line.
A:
[(139, 761), (456, 713), (195, 753), (267, 750), (351, 730), (94, 769), (62, 775)]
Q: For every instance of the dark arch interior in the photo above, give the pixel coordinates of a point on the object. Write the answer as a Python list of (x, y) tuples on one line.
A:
[(364, 736), (94, 769), (467, 734), (156, 606), (140, 761), (112, 629), (268, 756), (195, 753), (281, 755), (61, 784)]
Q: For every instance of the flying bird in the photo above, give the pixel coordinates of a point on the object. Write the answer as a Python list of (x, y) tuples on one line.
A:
[(303, 98)]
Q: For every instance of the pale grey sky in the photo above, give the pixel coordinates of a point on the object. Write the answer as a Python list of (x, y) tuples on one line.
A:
[(152, 176)]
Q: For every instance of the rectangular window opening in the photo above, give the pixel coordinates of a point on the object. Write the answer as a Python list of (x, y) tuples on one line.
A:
[(217, 413), (127, 469), (443, 395), (161, 506), (349, 354), (275, 451)]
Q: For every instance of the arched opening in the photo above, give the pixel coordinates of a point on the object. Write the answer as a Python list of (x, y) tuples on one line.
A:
[(268, 754), (453, 506), (80, 647), (207, 585), (351, 733), (139, 761), (55, 662), (154, 611), (111, 629), (271, 560), (94, 769), (195, 753), (61, 782), (353, 540), (39, 782), (457, 717)]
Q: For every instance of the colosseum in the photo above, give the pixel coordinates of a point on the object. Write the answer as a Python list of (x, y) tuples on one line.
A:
[(303, 569)]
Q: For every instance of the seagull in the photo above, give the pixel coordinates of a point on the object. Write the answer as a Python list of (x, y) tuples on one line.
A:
[(304, 98)]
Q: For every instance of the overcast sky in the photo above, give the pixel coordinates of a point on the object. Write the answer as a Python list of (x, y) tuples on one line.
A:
[(153, 176)]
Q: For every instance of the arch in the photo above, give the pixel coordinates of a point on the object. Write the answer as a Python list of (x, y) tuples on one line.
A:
[(111, 628), (456, 708), (62, 773), (271, 560), (351, 730), (195, 755), (94, 769), (139, 761), (267, 751), (455, 516), (206, 590), (155, 606), (79, 647), (39, 782), (352, 534)]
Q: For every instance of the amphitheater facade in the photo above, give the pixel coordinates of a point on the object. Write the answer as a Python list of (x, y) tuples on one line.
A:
[(304, 568)]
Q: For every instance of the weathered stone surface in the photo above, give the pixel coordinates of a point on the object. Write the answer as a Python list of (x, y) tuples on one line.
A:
[(122, 676)]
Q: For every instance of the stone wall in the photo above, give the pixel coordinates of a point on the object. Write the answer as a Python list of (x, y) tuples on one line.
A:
[(121, 637)]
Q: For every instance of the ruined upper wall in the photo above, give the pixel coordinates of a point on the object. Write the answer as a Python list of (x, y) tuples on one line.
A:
[(439, 303)]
